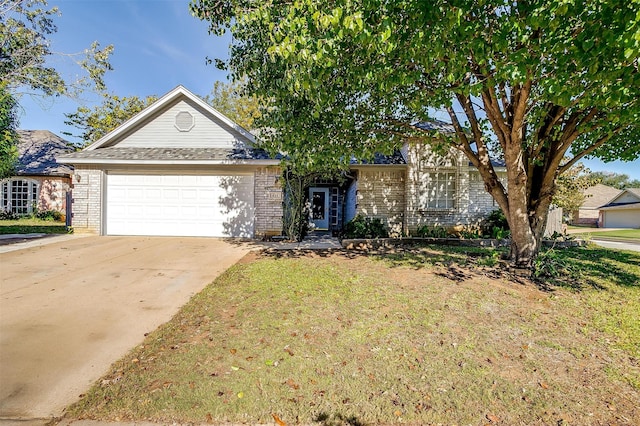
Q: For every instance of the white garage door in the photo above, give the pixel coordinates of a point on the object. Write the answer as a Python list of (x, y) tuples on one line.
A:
[(622, 219), (180, 205)]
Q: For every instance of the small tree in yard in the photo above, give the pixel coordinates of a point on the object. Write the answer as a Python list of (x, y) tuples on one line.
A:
[(570, 187), (531, 81)]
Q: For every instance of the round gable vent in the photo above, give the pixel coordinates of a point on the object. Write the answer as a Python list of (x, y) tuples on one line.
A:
[(185, 121)]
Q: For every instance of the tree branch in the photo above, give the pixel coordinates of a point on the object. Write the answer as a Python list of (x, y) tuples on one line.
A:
[(588, 151)]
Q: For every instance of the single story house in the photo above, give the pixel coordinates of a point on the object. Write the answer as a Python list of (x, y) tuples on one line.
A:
[(623, 211), (180, 167), (595, 196), (40, 183)]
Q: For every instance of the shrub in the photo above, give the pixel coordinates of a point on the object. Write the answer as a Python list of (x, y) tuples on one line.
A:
[(471, 233), (428, 231), (8, 215), (500, 233), (49, 215), (549, 264), (497, 218), (365, 227), (496, 225)]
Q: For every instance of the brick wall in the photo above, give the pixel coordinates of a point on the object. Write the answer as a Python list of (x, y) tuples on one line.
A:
[(381, 194), (471, 202), (268, 202), (87, 187)]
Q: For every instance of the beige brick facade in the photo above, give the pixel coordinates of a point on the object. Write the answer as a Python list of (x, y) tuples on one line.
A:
[(471, 203), (394, 194), (268, 202), (381, 194), (87, 188)]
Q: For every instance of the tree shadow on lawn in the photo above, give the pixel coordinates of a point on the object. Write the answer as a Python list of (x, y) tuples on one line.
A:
[(594, 266), (337, 420), (577, 268)]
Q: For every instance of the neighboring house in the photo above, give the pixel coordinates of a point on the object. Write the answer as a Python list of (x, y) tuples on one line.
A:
[(40, 182), (180, 167), (623, 211), (595, 196)]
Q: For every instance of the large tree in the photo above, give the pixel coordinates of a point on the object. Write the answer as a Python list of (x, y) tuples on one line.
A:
[(617, 180), (25, 48), (530, 81), (8, 134)]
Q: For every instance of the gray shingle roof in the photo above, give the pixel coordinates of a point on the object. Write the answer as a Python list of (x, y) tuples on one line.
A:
[(382, 159), (598, 195), (444, 127), (169, 154), (37, 152), (435, 125)]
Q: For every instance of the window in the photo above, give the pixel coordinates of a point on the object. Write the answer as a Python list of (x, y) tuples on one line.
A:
[(19, 196), (439, 190)]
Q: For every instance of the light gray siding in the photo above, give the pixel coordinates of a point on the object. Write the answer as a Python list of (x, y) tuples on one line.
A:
[(207, 131)]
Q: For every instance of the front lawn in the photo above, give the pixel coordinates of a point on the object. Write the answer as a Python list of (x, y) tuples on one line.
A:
[(418, 335), (625, 234), (31, 226)]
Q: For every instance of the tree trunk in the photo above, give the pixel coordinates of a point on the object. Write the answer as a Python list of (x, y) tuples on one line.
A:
[(527, 230), (525, 244)]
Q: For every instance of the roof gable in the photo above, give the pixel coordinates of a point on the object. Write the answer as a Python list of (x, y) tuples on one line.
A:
[(626, 196), (179, 119)]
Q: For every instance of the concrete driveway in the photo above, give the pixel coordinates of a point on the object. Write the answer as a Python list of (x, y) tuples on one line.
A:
[(69, 309)]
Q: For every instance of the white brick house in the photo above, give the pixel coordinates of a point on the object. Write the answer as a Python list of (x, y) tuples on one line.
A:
[(180, 167)]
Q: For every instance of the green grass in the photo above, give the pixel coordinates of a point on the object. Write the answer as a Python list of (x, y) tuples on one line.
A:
[(626, 234), (421, 336), (31, 226)]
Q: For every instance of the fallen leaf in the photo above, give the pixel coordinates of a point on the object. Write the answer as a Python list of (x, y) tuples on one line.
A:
[(543, 385), (209, 418), (292, 384), (233, 351), (492, 418), (289, 351), (278, 421)]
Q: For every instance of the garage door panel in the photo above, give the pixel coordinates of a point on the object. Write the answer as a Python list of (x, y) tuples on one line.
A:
[(180, 205)]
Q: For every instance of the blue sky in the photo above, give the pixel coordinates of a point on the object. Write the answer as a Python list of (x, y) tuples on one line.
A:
[(158, 45)]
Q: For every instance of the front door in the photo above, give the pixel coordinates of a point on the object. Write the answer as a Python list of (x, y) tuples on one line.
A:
[(319, 199)]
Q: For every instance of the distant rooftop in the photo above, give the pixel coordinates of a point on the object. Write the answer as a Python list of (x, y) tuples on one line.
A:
[(37, 152), (598, 195)]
